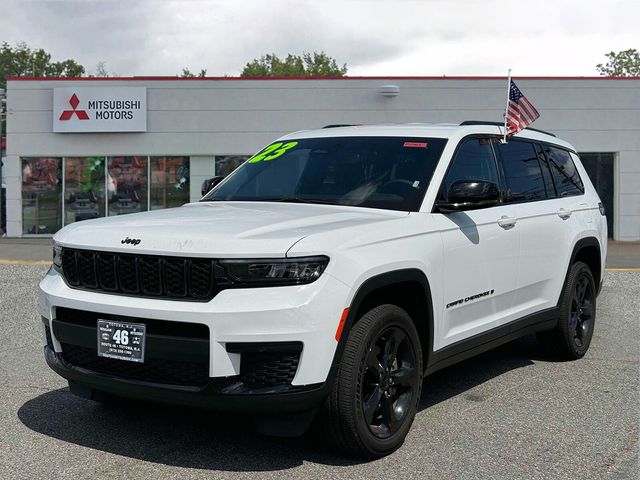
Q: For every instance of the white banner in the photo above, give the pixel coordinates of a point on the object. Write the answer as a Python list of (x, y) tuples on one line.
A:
[(99, 109)]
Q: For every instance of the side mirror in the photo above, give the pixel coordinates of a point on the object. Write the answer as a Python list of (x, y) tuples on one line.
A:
[(470, 195), (209, 183)]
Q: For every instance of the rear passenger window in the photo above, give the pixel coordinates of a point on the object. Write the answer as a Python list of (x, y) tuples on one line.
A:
[(546, 173), (564, 172), (473, 161), (522, 174)]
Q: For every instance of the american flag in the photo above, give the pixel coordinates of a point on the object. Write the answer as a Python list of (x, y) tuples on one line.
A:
[(520, 111)]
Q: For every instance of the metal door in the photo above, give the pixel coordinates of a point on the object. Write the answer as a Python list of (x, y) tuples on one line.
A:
[(599, 166)]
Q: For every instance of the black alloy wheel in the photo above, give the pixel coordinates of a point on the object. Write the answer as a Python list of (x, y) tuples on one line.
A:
[(388, 387), (376, 391), (582, 310), (571, 338)]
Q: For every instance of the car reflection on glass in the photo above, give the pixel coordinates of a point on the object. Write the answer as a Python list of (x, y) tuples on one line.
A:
[(85, 205), (126, 200)]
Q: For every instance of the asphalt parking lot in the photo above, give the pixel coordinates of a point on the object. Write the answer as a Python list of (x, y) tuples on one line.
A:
[(508, 414)]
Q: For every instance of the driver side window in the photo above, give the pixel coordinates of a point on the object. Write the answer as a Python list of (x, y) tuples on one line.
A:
[(474, 160)]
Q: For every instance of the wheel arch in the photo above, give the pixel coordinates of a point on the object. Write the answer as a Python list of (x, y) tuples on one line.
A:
[(406, 288), (589, 251)]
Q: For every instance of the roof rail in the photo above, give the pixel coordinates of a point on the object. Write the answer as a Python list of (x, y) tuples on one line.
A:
[(501, 124), (339, 125)]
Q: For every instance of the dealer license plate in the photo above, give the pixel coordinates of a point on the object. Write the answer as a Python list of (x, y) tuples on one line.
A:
[(120, 340)]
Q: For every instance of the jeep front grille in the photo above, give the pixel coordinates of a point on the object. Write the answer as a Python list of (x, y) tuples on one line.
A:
[(140, 275)]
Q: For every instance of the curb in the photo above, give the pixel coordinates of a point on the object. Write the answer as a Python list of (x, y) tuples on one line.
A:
[(24, 262)]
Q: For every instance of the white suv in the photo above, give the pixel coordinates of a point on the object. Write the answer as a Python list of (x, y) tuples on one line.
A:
[(329, 274)]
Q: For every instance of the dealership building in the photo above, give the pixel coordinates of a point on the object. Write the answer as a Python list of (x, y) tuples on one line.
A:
[(87, 147)]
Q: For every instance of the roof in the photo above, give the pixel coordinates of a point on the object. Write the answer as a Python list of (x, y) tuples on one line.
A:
[(188, 79), (426, 130)]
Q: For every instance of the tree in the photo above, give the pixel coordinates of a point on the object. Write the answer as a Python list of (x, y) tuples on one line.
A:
[(621, 64), (21, 61), (308, 65), (186, 73), (101, 70)]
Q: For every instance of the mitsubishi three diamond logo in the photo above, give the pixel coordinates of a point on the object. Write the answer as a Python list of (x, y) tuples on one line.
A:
[(67, 114)]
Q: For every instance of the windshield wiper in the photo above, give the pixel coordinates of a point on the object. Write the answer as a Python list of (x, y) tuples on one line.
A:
[(300, 200), (279, 199)]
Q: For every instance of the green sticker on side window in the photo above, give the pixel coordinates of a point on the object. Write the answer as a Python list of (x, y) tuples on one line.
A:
[(272, 152)]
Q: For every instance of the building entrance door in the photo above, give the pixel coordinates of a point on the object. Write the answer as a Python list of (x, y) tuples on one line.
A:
[(599, 166)]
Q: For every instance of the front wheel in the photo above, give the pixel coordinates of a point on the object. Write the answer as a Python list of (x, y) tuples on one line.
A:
[(572, 337), (377, 389)]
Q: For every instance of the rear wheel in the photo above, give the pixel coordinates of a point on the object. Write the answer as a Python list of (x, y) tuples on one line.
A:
[(570, 340), (377, 389)]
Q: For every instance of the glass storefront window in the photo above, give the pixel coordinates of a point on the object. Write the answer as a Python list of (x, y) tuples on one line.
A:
[(83, 188), (169, 182), (225, 164), (41, 195), (127, 184), (60, 191)]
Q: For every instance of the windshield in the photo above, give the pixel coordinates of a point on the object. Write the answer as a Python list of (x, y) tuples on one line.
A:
[(377, 172)]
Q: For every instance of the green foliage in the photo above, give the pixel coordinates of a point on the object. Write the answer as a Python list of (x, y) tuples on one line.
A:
[(621, 64), (308, 65), (92, 178), (22, 61), (186, 73)]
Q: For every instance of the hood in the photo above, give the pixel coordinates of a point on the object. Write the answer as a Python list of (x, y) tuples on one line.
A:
[(218, 229)]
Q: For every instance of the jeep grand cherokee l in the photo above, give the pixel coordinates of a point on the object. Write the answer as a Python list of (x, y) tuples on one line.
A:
[(325, 277)]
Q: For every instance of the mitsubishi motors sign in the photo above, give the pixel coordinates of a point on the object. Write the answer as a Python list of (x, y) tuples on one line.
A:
[(99, 109)]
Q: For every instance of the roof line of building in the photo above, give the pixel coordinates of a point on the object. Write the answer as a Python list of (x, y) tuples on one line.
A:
[(150, 78)]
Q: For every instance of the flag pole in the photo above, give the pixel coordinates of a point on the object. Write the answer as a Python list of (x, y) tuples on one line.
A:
[(506, 107)]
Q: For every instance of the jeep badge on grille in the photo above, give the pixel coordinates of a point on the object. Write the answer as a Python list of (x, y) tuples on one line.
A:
[(131, 241)]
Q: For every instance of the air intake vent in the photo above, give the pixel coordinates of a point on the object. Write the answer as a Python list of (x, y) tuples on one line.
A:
[(261, 369)]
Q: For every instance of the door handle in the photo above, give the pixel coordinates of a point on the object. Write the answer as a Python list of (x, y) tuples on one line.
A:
[(507, 222), (563, 213)]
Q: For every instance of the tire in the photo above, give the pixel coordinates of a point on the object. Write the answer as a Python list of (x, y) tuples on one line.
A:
[(571, 338), (376, 392)]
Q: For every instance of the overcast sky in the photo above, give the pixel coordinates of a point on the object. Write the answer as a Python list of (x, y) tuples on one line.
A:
[(373, 37)]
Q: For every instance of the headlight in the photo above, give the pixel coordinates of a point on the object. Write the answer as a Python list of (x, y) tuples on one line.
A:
[(285, 271), (57, 257)]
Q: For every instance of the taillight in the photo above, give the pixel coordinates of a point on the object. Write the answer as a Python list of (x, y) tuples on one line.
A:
[(602, 211)]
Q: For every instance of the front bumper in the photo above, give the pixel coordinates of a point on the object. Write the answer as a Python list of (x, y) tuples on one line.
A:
[(94, 385), (306, 315)]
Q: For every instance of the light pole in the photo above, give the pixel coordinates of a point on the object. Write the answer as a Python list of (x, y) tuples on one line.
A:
[(2, 103)]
